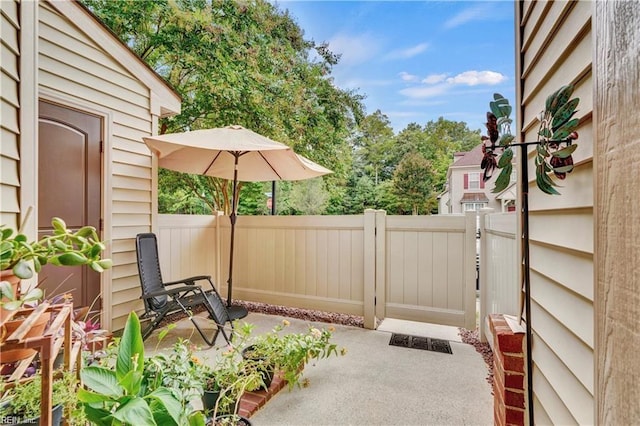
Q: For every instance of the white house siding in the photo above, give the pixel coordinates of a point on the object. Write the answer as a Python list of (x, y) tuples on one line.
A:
[(554, 40), (73, 67), (10, 123)]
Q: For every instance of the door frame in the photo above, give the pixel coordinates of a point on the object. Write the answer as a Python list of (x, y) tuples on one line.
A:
[(105, 184)]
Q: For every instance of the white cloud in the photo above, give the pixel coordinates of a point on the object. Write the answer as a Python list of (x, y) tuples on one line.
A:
[(421, 92), (438, 84), (355, 49), (405, 76), (407, 53), (474, 78), (475, 13), (434, 78)]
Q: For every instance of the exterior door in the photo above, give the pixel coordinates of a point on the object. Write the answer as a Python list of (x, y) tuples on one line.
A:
[(69, 176)]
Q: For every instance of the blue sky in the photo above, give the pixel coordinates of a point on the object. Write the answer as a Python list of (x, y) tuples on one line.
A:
[(417, 61)]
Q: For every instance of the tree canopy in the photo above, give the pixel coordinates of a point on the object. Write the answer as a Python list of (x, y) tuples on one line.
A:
[(248, 63)]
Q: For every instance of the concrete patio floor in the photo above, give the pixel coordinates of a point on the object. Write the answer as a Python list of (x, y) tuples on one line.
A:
[(374, 383)]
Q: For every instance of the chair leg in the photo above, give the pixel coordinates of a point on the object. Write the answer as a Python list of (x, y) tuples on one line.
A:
[(152, 326), (211, 341)]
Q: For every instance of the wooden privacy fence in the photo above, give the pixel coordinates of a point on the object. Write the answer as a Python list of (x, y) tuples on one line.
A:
[(411, 267)]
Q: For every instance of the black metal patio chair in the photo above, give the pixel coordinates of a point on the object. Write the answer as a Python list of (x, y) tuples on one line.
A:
[(163, 298)]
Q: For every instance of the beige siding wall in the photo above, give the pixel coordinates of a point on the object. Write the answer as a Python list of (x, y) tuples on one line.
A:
[(555, 49), (76, 71), (10, 124)]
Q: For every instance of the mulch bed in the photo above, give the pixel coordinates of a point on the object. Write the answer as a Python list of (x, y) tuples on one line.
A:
[(286, 311)]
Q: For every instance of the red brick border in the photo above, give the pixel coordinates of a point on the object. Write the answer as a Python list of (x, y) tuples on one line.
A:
[(253, 401), (508, 373)]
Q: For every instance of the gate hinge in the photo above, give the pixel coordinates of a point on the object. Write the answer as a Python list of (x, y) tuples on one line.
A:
[(101, 224)]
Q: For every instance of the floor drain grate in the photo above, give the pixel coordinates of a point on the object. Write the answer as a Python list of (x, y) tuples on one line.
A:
[(417, 342)]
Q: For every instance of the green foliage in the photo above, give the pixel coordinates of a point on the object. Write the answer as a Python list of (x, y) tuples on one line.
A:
[(23, 400), (243, 63), (289, 352), (412, 182), (120, 396), (309, 197), (61, 248)]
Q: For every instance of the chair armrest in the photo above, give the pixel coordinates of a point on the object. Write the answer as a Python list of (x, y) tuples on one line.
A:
[(171, 292), (189, 281)]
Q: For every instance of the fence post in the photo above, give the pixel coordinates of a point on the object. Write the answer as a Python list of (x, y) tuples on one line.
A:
[(483, 272), (381, 263), (369, 297), (470, 271)]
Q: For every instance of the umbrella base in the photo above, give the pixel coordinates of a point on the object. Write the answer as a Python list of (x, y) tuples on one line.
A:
[(237, 312)]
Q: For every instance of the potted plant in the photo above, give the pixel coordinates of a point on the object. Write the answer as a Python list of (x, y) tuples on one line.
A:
[(63, 247), (288, 353), (229, 377), (19, 258), (179, 370), (22, 402), (120, 394)]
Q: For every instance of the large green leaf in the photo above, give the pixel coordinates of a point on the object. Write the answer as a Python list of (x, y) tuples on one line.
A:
[(90, 397), (98, 416), (131, 349), (132, 382), (101, 380), (168, 401), (135, 412)]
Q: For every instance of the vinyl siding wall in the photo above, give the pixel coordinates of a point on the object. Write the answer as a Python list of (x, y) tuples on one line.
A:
[(74, 68), (10, 123), (554, 41)]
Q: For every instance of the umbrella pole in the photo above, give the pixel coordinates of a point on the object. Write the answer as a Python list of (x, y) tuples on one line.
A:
[(232, 217)]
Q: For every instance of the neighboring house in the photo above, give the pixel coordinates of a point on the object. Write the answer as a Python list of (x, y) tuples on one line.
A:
[(585, 291), (76, 103), (465, 188)]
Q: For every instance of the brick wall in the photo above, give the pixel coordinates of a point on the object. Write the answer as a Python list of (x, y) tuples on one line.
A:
[(508, 371)]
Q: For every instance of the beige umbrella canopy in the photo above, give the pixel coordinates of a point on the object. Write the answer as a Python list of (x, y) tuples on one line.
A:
[(233, 153)]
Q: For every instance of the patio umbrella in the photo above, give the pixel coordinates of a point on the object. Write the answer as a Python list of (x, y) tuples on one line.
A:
[(233, 153)]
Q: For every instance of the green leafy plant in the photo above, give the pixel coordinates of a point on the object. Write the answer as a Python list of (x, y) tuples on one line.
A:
[(62, 248), (231, 375), (11, 301), (120, 395), (23, 400), (289, 352), (177, 369)]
